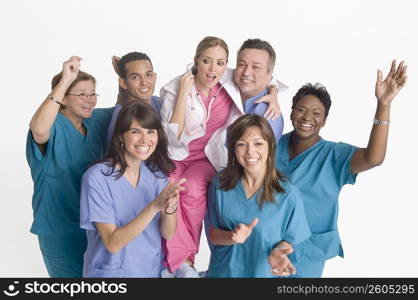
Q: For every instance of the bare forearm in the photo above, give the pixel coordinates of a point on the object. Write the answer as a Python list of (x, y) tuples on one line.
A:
[(374, 155), (376, 148), (121, 236), (221, 237), (179, 113), (168, 225), (46, 114)]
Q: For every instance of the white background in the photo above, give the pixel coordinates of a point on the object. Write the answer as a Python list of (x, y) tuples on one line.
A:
[(337, 43)]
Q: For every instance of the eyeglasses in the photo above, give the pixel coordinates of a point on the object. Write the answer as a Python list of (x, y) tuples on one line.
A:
[(84, 96)]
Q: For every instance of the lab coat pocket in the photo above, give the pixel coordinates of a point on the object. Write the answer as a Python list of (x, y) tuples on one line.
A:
[(320, 246)]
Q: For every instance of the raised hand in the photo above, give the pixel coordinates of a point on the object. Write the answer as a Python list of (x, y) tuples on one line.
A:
[(169, 195), (186, 83), (387, 89), (70, 69), (280, 263), (171, 205), (242, 231), (115, 64)]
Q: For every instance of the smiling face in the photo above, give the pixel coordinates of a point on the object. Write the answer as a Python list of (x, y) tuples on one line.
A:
[(140, 80), (77, 108), (308, 117), (251, 151), (211, 65), (252, 74), (139, 143)]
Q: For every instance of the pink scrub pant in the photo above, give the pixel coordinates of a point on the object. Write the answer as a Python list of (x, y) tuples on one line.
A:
[(191, 211)]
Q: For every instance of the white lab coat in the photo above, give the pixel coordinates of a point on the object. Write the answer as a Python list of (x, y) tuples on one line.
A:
[(215, 150)]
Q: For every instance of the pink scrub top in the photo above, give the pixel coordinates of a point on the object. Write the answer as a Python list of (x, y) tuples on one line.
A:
[(217, 107)]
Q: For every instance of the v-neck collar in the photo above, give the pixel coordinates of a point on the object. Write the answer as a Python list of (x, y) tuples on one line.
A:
[(250, 200), (78, 133), (142, 173), (300, 156)]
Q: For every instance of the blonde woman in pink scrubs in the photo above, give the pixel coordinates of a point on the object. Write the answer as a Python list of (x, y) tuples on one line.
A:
[(196, 110)]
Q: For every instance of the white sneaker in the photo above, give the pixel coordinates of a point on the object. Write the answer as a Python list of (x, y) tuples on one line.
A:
[(186, 271), (166, 274)]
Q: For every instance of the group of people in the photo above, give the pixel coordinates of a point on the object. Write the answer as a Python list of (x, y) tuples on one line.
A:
[(124, 191)]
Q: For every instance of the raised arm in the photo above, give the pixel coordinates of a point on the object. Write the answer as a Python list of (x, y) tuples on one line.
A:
[(168, 220), (45, 115), (179, 113), (122, 93), (385, 91)]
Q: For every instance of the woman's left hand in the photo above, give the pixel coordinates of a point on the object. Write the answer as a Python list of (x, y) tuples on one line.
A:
[(168, 195), (172, 204), (280, 263), (387, 89)]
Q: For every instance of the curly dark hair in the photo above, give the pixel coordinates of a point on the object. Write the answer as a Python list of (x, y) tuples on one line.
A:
[(317, 90)]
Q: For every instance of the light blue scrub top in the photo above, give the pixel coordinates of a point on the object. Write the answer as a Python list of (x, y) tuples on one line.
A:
[(57, 173), (283, 220), (319, 172), (155, 103), (106, 200), (250, 107)]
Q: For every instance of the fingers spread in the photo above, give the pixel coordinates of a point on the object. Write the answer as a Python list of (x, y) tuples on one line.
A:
[(379, 77), (392, 68), (399, 69), (268, 114)]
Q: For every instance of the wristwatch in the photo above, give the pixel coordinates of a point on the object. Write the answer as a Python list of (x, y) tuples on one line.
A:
[(379, 122)]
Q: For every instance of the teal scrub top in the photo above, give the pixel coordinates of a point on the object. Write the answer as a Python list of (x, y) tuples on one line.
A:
[(57, 173), (282, 220), (319, 172)]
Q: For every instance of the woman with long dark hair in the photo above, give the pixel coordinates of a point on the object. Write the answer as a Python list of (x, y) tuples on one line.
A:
[(126, 203)]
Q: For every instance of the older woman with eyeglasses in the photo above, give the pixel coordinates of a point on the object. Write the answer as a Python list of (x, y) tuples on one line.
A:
[(66, 135)]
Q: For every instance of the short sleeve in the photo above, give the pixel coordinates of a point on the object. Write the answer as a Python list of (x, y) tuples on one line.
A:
[(33, 154), (343, 154), (276, 125), (297, 229), (96, 203), (100, 119)]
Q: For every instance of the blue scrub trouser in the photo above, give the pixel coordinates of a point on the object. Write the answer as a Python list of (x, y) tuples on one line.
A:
[(308, 270), (63, 255)]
